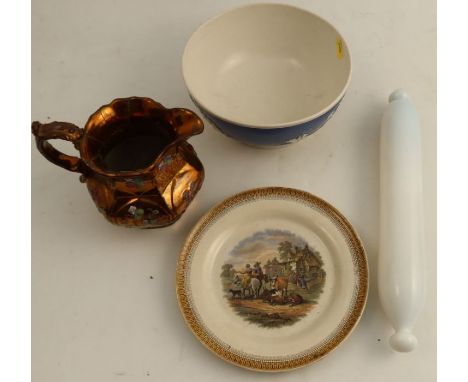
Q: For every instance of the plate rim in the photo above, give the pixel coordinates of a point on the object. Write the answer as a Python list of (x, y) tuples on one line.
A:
[(244, 361)]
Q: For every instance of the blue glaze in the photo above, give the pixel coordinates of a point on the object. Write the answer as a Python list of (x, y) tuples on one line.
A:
[(269, 137)]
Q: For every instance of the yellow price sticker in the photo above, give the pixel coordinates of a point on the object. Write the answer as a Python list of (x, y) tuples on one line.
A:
[(339, 48)]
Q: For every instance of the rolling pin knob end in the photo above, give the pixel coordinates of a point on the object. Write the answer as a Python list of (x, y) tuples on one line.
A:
[(398, 94), (403, 341)]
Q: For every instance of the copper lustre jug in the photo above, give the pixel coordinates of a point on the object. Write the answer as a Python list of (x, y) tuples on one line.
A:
[(134, 158)]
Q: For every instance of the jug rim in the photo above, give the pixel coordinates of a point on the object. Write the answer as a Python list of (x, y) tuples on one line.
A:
[(107, 111)]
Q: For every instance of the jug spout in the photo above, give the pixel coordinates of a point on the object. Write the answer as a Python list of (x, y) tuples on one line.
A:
[(185, 123)]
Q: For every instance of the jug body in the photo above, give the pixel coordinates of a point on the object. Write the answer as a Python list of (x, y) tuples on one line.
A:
[(155, 198)]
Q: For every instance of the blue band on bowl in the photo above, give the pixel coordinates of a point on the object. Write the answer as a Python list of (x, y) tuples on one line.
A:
[(268, 137)]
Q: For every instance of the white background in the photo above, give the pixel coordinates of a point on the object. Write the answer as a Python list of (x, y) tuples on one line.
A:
[(97, 313)]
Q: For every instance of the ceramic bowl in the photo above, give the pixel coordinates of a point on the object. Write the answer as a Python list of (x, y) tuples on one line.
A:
[(267, 74)]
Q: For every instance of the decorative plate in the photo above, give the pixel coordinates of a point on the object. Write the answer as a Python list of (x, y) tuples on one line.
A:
[(272, 279)]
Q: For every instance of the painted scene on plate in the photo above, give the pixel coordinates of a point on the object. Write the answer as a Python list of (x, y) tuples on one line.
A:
[(273, 278)]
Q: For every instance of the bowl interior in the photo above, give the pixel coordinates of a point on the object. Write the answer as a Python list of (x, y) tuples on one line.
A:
[(266, 65)]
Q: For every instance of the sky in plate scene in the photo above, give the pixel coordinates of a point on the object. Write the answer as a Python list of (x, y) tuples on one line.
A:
[(261, 246)]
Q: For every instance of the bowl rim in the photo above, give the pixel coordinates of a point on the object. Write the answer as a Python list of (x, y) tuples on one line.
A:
[(267, 125)]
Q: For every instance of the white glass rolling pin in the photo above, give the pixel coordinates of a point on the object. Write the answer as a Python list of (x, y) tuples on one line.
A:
[(400, 269)]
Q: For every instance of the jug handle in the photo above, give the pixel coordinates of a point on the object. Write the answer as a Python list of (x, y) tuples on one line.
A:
[(58, 130)]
